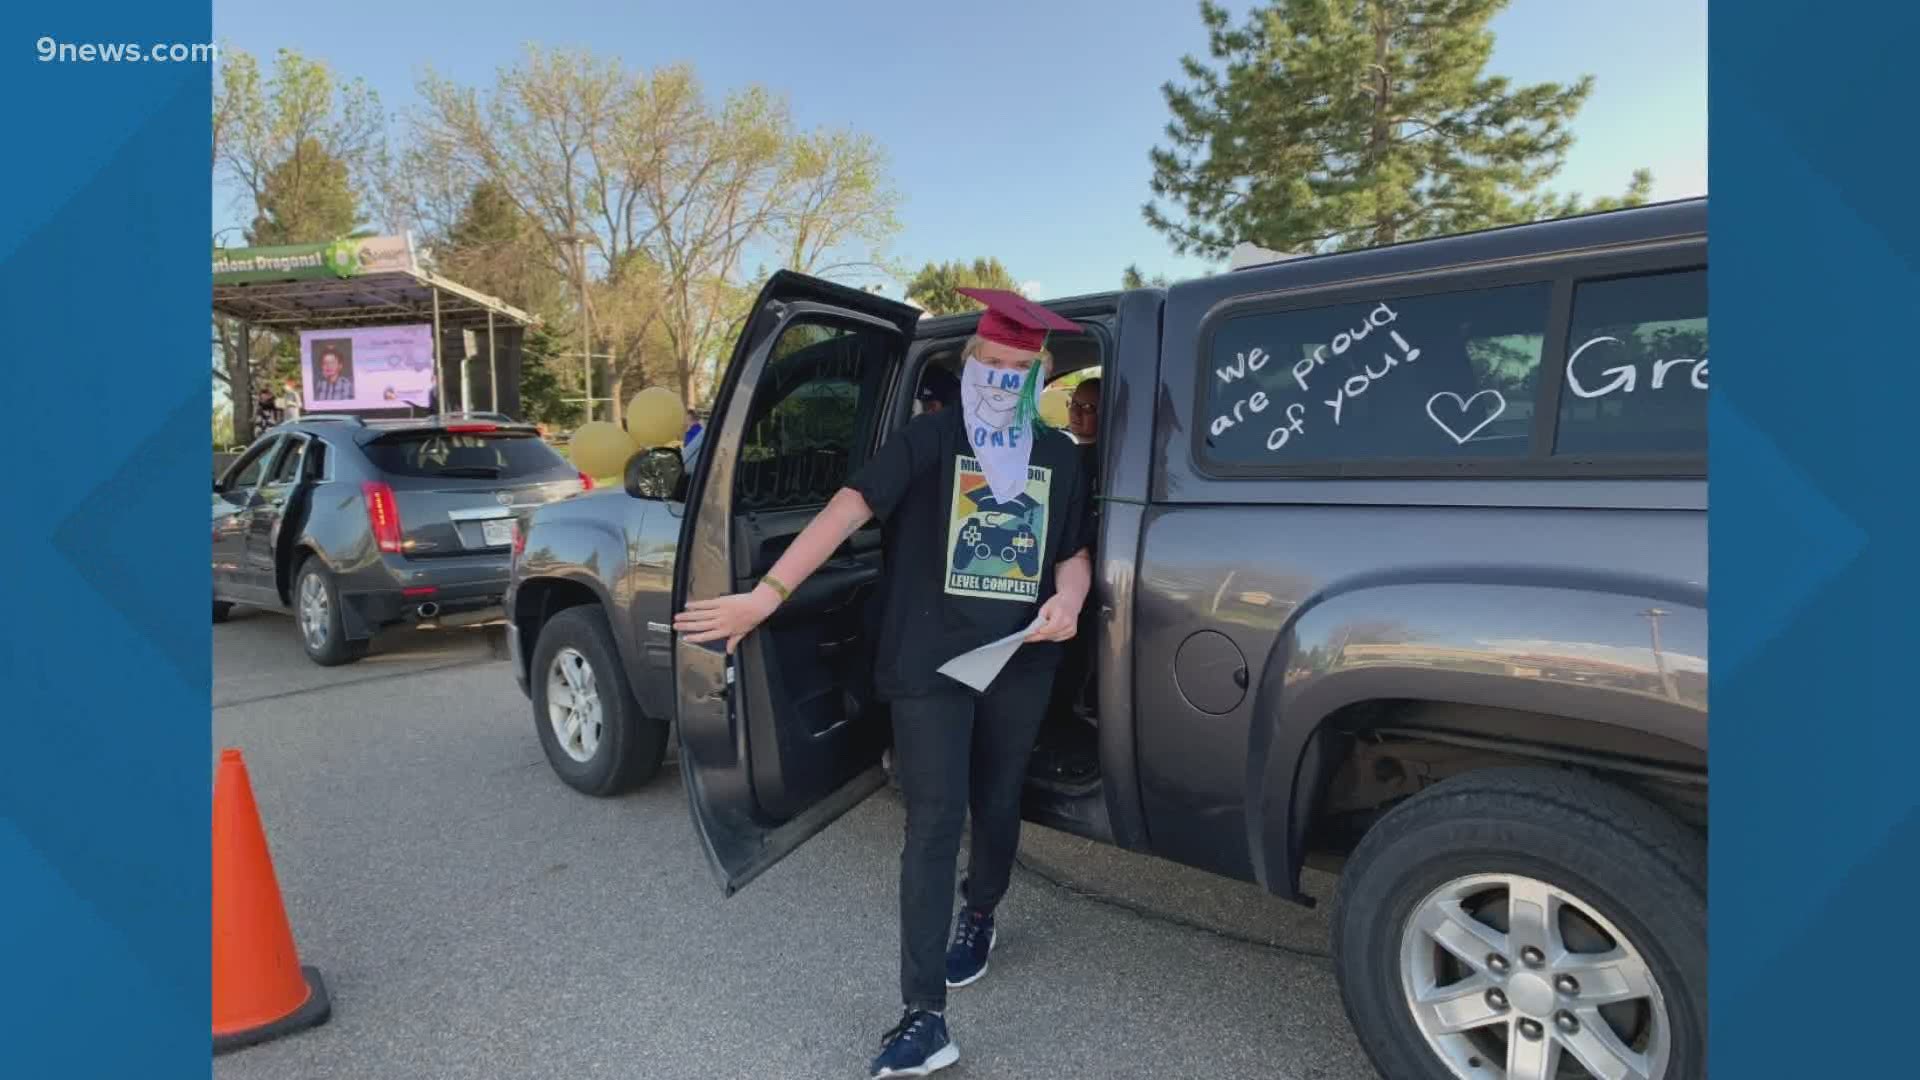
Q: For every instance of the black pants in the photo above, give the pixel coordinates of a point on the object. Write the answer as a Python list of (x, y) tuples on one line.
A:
[(953, 752)]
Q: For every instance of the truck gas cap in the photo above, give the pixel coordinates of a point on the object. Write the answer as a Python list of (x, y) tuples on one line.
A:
[(1211, 672)]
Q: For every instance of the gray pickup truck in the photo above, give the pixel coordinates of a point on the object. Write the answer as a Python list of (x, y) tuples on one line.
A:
[(1401, 571)]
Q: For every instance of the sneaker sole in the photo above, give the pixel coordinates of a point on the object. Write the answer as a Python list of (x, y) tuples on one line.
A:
[(969, 980), (982, 973), (941, 1058)]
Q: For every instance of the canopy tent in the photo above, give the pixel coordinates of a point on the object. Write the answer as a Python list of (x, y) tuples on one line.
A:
[(376, 281)]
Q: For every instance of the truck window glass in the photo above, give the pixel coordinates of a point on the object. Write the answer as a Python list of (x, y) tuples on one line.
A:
[(802, 432), (1636, 378), (1445, 376), (288, 467), (248, 475)]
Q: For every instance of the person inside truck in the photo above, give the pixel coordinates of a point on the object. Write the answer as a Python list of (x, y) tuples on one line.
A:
[(1068, 751), (938, 390), (988, 484), (1083, 411)]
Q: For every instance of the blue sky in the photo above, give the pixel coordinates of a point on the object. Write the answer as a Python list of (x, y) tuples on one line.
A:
[(1019, 130)]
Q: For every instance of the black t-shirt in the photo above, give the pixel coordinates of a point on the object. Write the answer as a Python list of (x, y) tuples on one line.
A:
[(963, 568)]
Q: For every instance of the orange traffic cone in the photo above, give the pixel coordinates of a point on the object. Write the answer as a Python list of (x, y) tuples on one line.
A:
[(260, 991)]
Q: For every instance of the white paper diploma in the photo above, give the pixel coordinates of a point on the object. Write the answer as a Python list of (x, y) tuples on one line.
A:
[(977, 667)]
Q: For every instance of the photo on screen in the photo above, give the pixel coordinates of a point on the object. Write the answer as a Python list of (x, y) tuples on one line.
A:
[(332, 370)]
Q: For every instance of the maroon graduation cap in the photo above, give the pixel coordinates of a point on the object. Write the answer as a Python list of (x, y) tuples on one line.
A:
[(1012, 319)]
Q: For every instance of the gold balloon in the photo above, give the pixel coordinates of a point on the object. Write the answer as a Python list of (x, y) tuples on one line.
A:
[(601, 449), (656, 417), (1053, 406)]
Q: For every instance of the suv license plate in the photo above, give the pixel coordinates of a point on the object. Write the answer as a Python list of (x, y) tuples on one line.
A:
[(498, 532)]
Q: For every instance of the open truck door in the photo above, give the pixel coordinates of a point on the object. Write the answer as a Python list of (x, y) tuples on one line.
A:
[(783, 737)]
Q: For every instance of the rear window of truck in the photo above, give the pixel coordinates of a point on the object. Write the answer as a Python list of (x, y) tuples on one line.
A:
[(480, 456), (1459, 379), (1446, 376), (1636, 371)]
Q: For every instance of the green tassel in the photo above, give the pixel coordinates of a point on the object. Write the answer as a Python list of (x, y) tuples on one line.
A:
[(1028, 410)]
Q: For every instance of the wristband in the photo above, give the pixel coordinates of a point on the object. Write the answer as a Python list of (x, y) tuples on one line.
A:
[(773, 583)]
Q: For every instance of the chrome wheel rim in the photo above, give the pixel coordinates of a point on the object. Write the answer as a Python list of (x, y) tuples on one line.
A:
[(315, 611), (1507, 976), (573, 705)]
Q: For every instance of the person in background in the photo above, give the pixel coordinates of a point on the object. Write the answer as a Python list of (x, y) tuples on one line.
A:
[(1068, 752), (954, 750), (266, 412), (938, 390), (690, 445), (1083, 412)]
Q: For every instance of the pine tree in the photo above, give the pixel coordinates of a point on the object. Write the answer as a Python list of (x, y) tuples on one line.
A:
[(1332, 124), (305, 199), (1132, 278), (494, 247)]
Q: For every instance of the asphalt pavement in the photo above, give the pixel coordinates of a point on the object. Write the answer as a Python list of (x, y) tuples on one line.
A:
[(474, 917)]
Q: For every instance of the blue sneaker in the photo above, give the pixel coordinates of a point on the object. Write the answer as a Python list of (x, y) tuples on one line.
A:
[(972, 944), (917, 1046)]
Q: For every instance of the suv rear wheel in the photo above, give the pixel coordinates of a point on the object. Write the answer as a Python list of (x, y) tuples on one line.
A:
[(1526, 924), (316, 612), (590, 727)]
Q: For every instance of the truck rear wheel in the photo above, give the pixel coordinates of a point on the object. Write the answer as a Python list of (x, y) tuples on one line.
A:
[(590, 727), (1526, 924)]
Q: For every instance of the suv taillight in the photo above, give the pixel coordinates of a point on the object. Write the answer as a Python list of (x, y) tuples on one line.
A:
[(519, 539), (586, 482), (383, 514)]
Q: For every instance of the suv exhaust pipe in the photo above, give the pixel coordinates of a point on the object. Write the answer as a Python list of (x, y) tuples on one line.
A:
[(428, 610)]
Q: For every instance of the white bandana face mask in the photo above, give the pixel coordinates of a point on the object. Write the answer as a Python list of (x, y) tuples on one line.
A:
[(989, 403)]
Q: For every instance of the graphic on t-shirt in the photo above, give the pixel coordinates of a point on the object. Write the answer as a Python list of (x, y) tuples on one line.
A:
[(996, 545)]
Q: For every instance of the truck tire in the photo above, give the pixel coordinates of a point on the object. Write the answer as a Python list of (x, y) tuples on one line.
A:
[(590, 726), (1619, 975)]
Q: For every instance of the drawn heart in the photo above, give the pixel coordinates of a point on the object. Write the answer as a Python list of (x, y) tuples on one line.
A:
[(1499, 406)]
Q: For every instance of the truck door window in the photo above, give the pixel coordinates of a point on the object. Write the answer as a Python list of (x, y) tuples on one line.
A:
[(810, 411), (1636, 376), (1445, 376)]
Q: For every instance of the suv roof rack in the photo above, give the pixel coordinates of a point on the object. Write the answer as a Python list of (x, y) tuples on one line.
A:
[(331, 418)]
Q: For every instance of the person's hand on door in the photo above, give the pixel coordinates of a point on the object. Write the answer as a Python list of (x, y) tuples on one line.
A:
[(726, 618)]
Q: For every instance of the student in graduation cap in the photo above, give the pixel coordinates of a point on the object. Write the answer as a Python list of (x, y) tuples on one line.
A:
[(987, 529)]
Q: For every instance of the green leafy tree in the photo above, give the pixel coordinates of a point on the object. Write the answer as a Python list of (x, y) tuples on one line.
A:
[(933, 288), (282, 138), (1323, 126), (620, 169)]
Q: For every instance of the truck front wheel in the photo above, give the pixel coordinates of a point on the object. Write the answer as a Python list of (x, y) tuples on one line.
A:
[(590, 727), (1526, 924)]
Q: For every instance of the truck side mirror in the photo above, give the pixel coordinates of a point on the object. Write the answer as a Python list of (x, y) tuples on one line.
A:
[(655, 474)]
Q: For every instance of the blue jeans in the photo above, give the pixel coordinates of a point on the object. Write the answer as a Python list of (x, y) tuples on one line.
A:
[(954, 752)]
